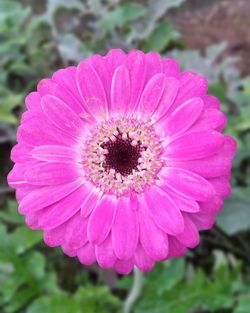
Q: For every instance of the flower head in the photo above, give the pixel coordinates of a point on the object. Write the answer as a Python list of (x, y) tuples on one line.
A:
[(121, 160)]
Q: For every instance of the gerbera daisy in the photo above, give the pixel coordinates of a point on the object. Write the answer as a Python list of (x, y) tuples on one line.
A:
[(121, 160)]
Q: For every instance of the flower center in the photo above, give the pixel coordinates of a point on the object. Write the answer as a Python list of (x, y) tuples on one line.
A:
[(122, 155)]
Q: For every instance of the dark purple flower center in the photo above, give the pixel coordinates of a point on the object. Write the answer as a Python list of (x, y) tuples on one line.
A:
[(122, 156)]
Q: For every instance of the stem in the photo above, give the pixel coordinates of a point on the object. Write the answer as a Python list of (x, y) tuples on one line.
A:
[(134, 292)]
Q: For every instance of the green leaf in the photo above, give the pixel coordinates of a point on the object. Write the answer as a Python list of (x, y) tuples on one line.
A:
[(54, 5), (56, 304), (155, 11), (243, 305), (244, 119), (63, 304), (219, 91), (22, 68), (235, 217), (11, 215), (20, 299), (12, 11), (71, 48), (10, 284), (197, 293), (6, 107), (121, 16), (167, 275), (49, 284), (96, 299), (4, 238), (81, 302), (40, 305), (160, 38), (35, 263), (24, 238)]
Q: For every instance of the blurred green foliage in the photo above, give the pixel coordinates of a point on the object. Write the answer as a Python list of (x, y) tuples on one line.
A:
[(34, 41), (171, 287), (26, 282)]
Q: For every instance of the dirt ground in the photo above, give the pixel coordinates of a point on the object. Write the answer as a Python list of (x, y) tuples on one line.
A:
[(206, 22)]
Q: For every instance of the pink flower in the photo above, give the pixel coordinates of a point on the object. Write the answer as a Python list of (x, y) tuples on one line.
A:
[(121, 160)]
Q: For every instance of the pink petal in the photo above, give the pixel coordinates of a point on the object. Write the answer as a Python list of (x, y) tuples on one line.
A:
[(31, 220), (230, 147), (45, 196), (55, 237), (124, 267), (170, 67), (153, 65), (34, 136), (188, 184), (76, 231), (120, 91), (125, 230), (101, 220), (50, 87), (192, 146), (115, 58), (15, 177), (55, 153), (142, 260), (151, 96), (214, 166), (183, 117), (52, 174), (68, 250), (221, 185), (23, 191), (176, 249), (208, 167), (67, 79), (61, 115), (164, 211), (35, 119), (92, 91), (29, 115), (191, 85), (101, 64), (168, 97), (212, 206), (90, 202), (105, 255), (190, 235), (135, 62), (184, 204), (203, 221), (134, 203), (153, 239), (210, 119), (33, 133), (211, 102), (63, 210), (20, 153), (33, 101), (86, 254)]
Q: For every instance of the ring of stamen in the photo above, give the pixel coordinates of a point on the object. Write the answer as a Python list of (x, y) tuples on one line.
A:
[(122, 155)]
